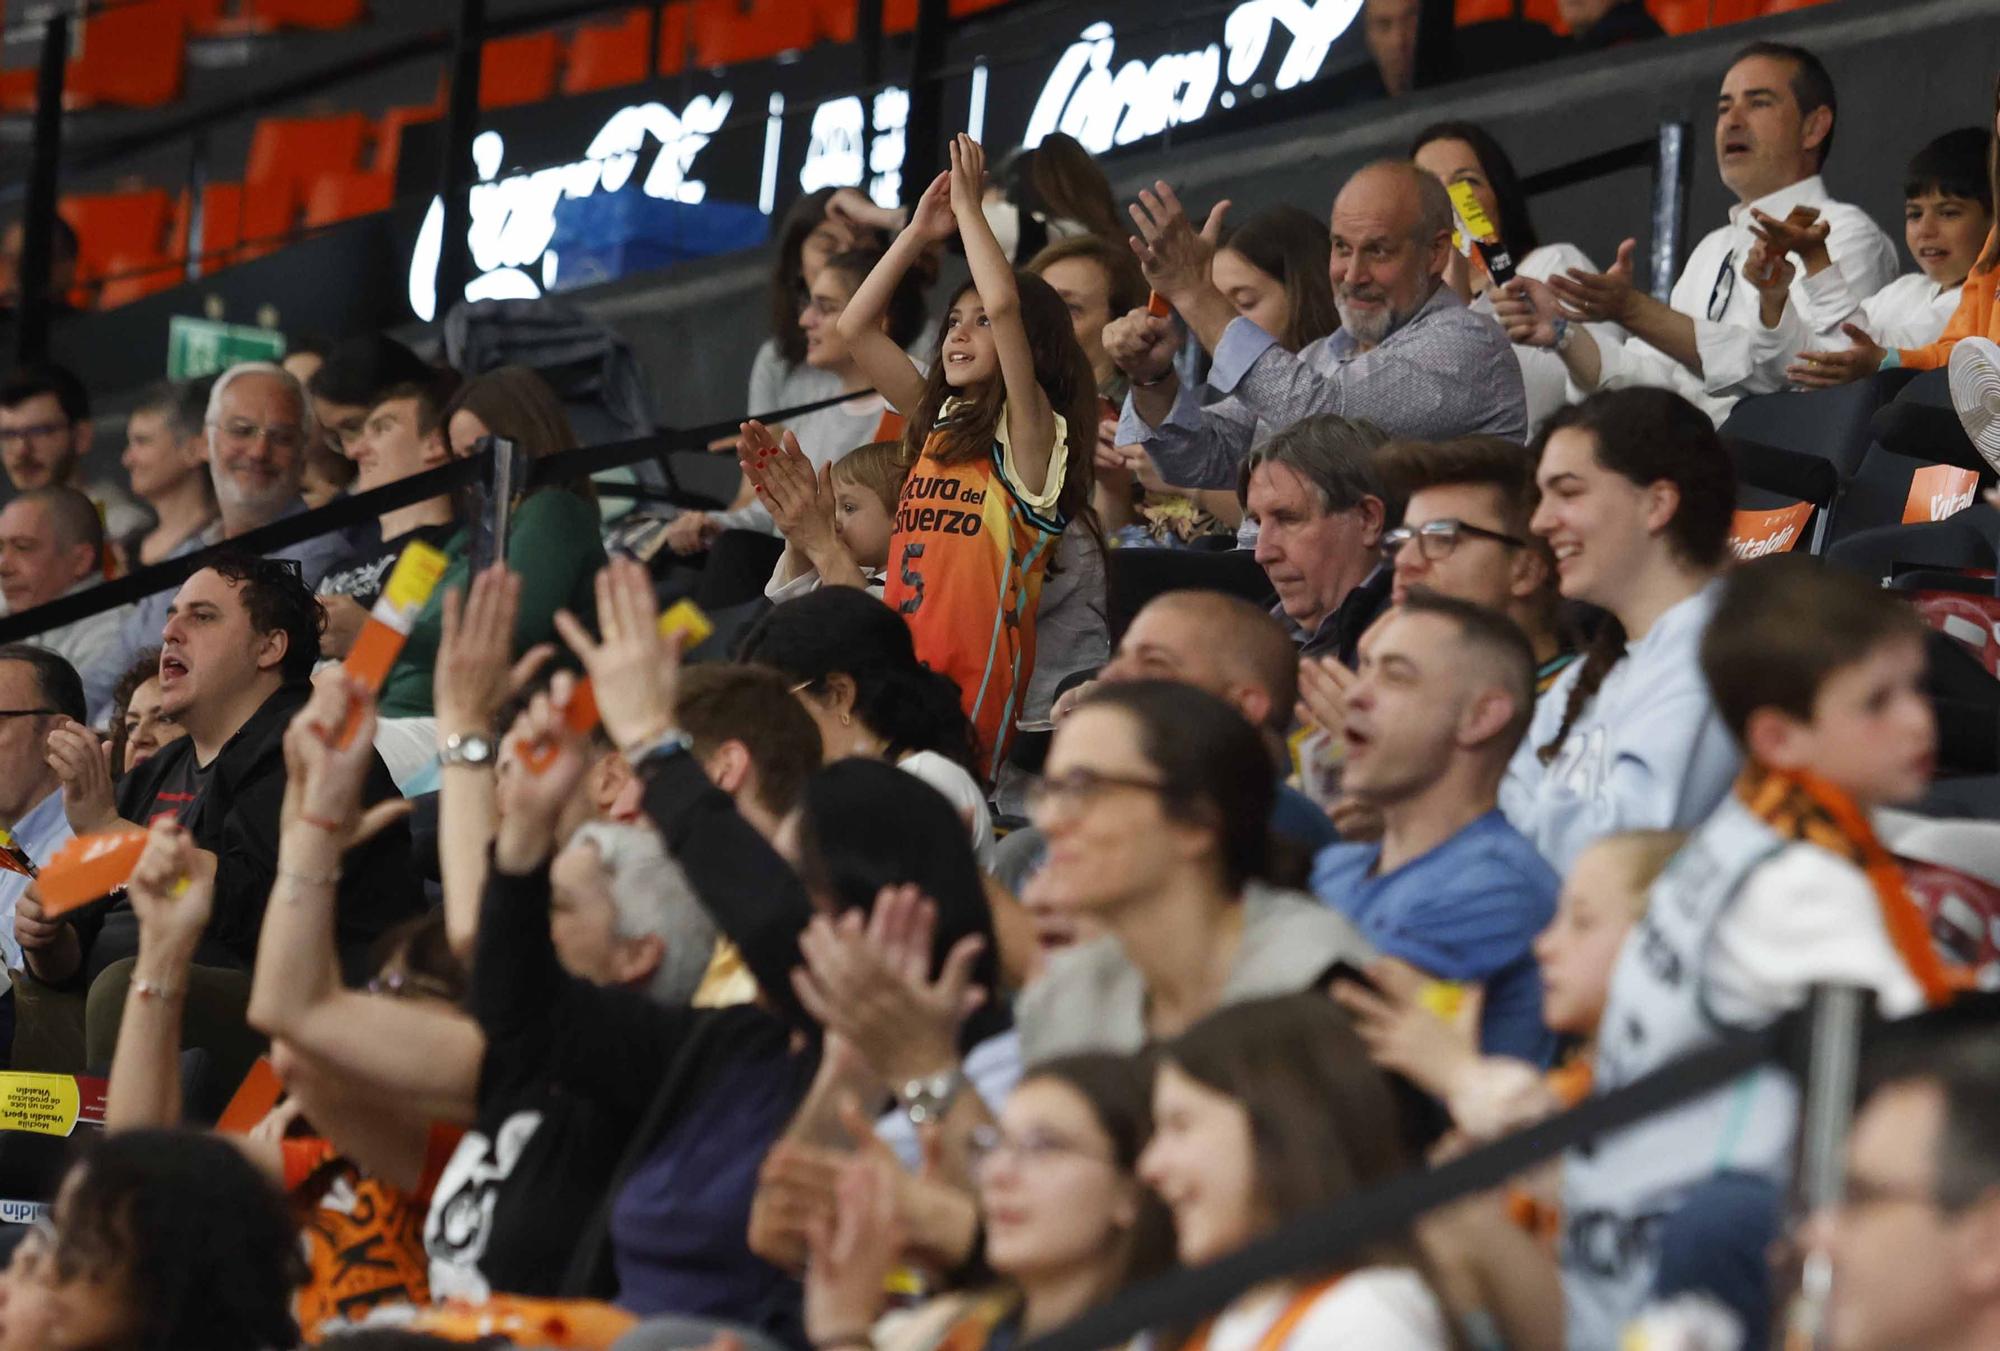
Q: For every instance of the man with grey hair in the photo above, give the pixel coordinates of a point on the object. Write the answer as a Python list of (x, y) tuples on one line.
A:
[(1408, 356), (259, 422), (625, 915), (1320, 509)]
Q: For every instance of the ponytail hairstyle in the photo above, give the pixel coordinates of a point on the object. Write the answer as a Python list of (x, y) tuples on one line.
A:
[(841, 630), (1646, 436), (1061, 369)]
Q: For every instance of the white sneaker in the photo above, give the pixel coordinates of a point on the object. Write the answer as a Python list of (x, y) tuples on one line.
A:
[(1975, 393)]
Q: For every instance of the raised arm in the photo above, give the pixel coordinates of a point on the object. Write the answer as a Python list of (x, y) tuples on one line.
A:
[(1031, 422), (470, 682), (401, 1046), (171, 891), (887, 366), (752, 893), (800, 502)]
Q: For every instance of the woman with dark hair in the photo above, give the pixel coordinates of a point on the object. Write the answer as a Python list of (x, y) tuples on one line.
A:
[(171, 1239), (1273, 268), (1156, 803), (1268, 1111), (553, 538), (856, 671), (1066, 1222), (138, 729), (1465, 152), (1637, 495), (1053, 191)]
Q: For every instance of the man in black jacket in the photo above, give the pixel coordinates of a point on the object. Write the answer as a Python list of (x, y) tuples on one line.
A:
[(237, 653)]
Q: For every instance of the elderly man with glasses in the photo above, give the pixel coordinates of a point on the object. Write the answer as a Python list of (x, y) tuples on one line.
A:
[(259, 422)]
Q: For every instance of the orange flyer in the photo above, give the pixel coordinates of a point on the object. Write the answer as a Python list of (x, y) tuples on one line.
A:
[(88, 867), (1938, 491), (255, 1097), (381, 638), (1753, 534), (683, 617)]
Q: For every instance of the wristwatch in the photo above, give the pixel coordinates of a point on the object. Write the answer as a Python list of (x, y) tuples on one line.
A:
[(467, 748), (1563, 334), (926, 1100)]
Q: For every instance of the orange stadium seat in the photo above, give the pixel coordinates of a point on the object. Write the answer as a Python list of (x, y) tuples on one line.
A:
[(725, 32), (1680, 16), (129, 278), (129, 57), (607, 55), (1481, 11), (518, 70), (240, 222), (389, 133), (300, 149), (333, 198), (118, 231), (326, 15), (673, 38)]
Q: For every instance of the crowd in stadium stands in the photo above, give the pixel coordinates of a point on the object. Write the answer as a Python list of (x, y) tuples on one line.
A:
[(921, 963)]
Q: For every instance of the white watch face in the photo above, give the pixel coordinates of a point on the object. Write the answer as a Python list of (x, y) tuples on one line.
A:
[(471, 750)]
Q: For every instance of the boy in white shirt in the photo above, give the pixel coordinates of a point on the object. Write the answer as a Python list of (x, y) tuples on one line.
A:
[(1819, 675), (1946, 219)]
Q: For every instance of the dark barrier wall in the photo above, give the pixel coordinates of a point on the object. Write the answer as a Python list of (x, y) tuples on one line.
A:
[(1904, 71)]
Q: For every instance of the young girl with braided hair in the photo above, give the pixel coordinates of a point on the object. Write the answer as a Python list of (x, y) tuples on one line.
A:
[(1637, 495)]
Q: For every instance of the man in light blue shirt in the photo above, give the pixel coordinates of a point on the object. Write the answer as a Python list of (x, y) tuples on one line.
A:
[(1443, 693), (1408, 356), (37, 690)]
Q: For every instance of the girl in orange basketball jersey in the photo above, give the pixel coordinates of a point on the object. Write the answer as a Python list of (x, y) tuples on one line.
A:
[(999, 438)]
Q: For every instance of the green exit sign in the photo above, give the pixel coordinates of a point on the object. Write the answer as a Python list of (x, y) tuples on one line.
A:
[(198, 347)]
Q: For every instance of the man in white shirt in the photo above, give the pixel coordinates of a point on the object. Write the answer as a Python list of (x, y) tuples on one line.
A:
[(38, 691), (1774, 125)]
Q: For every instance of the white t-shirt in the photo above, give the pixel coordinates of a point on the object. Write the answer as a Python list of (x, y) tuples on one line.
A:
[(1374, 1309), (963, 792)]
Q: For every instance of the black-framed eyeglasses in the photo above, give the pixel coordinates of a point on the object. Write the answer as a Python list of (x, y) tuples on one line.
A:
[(1437, 539), (27, 713), (41, 431), (1081, 787)]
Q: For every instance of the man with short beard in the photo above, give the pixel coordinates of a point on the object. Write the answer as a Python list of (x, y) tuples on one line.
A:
[(1408, 357)]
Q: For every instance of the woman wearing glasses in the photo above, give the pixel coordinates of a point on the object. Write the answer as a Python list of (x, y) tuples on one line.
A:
[(1156, 806), (1066, 1222), (1637, 495)]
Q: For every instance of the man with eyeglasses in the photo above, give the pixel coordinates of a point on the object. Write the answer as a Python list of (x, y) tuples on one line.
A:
[(1465, 534), (1441, 698), (38, 691), (45, 433), (1774, 125), (1914, 1245), (258, 423)]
